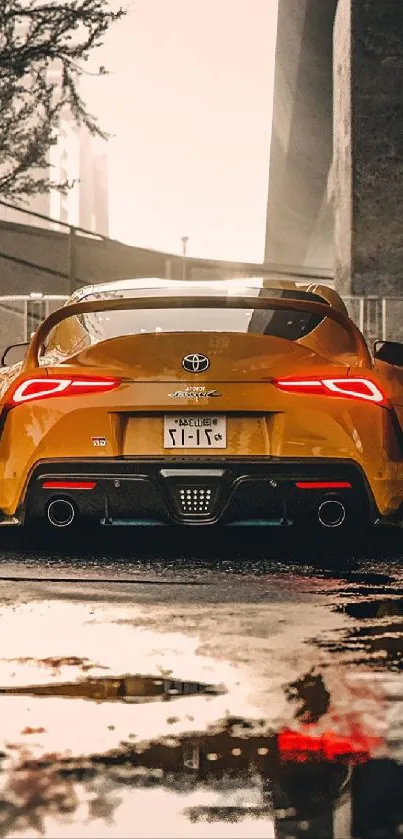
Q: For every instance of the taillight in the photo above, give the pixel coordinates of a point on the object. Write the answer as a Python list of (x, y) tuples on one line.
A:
[(298, 747), (351, 388), (82, 485), (49, 386), (323, 484)]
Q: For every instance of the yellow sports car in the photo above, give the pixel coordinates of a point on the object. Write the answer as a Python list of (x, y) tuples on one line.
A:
[(155, 402)]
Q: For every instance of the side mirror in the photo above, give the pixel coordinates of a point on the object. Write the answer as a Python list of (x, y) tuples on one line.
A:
[(13, 354), (389, 351)]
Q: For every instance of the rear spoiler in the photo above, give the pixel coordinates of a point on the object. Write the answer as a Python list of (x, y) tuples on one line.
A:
[(182, 302)]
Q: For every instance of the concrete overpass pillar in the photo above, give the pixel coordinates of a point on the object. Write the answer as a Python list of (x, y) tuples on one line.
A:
[(367, 171), (299, 217)]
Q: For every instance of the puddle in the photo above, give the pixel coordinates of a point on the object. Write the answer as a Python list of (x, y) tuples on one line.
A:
[(378, 646), (376, 643), (357, 578), (289, 783), (103, 750), (238, 748), (368, 609), (323, 776), (292, 781), (126, 688), (369, 591), (56, 663)]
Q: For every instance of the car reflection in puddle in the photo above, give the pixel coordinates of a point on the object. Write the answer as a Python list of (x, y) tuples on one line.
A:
[(308, 780), (127, 689), (333, 769)]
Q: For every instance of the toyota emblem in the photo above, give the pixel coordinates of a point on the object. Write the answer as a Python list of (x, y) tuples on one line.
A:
[(195, 363)]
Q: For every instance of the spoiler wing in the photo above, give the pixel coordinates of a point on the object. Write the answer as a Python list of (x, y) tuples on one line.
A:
[(200, 302)]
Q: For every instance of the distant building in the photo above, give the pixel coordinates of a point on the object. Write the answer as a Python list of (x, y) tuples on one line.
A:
[(64, 165), (93, 192), (81, 159)]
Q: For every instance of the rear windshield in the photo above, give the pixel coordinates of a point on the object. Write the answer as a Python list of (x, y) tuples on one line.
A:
[(281, 324)]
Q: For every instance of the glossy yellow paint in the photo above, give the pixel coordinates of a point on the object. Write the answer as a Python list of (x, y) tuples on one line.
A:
[(262, 421)]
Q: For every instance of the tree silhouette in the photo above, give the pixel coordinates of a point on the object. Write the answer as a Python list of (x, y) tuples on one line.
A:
[(44, 47)]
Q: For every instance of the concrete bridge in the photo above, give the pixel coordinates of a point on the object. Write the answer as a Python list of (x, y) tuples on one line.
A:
[(43, 259)]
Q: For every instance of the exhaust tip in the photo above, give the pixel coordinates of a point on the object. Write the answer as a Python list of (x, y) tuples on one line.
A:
[(331, 513), (60, 512)]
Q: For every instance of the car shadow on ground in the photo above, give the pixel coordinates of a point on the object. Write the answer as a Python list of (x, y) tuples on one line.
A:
[(213, 545)]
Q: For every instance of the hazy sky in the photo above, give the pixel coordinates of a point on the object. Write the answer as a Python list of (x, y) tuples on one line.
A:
[(190, 102)]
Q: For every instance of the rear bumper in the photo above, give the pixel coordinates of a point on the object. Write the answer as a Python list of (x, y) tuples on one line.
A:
[(195, 491)]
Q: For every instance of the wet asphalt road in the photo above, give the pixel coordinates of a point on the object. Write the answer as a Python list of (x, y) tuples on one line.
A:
[(149, 684)]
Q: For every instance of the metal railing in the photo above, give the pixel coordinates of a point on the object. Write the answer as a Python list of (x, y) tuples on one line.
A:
[(174, 265), (72, 231), (377, 317), (20, 315)]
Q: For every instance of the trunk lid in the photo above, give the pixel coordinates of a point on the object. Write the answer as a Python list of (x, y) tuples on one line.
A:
[(233, 357)]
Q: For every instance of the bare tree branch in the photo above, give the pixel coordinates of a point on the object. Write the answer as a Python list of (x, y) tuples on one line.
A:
[(44, 47)]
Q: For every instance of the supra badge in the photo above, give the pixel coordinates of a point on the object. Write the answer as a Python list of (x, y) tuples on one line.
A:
[(194, 393), (195, 363)]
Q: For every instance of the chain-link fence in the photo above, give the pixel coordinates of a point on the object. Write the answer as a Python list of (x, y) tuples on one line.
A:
[(377, 317), (21, 314)]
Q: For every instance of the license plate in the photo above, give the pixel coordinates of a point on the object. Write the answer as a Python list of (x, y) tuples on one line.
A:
[(195, 432)]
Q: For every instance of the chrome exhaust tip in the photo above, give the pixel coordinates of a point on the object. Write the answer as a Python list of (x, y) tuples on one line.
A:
[(60, 512), (331, 513)]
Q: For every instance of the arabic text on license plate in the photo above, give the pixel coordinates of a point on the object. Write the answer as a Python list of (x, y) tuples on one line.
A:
[(195, 432)]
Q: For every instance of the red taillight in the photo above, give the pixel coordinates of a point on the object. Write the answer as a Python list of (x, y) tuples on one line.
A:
[(323, 484), (351, 388), (69, 485), (49, 386), (299, 747)]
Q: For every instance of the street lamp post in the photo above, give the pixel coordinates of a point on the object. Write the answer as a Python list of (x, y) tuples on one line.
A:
[(185, 240), (71, 259)]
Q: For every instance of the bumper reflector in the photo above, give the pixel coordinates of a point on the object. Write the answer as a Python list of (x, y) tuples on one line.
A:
[(323, 485), (69, 485)]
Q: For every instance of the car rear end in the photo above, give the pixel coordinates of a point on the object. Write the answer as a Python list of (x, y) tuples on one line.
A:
[(151, 421)]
